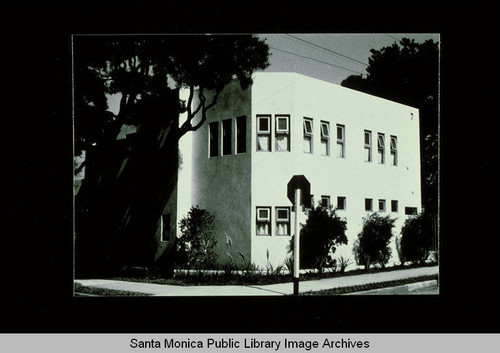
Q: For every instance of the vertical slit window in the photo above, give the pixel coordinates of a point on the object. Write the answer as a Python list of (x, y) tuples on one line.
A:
[(227, 133), (214, 139), (341, 141), (381, 205), (368, 146), (368, 205), (341, 204), (263, 221), (165, 227), (282, 221), (308, 135), (381, 148), (282, 133), (394, 206), (264, 133), (241, 134), (325, 138), (394, 150)]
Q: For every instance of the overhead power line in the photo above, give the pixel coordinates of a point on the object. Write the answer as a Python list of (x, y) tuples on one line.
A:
[(388, 35), (328, 50), (319, 61)]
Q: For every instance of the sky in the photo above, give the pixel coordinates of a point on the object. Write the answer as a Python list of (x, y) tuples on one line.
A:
[(341, 55)]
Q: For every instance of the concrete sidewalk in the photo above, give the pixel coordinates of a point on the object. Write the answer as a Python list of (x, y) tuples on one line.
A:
[(256, 290)]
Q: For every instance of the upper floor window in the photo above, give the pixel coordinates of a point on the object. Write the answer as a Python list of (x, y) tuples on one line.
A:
[(264, 133), (282, 133), (308, 135), (341, 140), (325, 138), (263, 221), (213, 140), (381, 148), (368, 146), (394, 150), (241, 134), (282, 221), (227, 132)]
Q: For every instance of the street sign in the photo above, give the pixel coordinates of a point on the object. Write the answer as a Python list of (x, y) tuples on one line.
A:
[(299, 182)]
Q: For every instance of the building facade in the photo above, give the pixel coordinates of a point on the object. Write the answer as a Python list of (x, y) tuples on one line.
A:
[(360, 153)]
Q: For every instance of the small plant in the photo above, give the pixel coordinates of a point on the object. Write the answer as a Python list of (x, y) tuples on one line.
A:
[(400, 252), (289, 265), (197, 241), (416, 238), (343, 263)]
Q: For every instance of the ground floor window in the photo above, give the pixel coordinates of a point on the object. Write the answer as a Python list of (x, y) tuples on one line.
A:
[(282, 221), (263, 220), (341, 203), (410, 210), (368, 205)]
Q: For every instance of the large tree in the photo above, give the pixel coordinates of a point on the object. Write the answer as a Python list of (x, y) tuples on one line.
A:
[(408, 73), (128, 182)]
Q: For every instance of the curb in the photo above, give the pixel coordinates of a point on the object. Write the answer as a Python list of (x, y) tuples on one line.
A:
[(408, 287), (419, 285)]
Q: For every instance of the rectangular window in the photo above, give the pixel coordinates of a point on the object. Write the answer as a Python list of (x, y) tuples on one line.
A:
[(410, 210), (325, 201), (394, 150), (263, 221), (282, 133), (381, 148), (264, 133), (381, 205), (214, 139), (394, 206), (368, 146), (241, 134), (341, 204), (227, 133), (308, 135), (282, 221), (165, 227), (325, 138), (368, 205), (340, 141)]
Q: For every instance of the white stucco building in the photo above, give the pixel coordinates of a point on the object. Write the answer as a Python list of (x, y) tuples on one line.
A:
[(360, 153)]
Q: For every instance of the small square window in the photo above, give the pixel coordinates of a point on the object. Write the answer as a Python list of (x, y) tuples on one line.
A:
[(281, 124), (263, 125), (381, 205), (263, 214), (394, 206), (341, 204), (368, 205)]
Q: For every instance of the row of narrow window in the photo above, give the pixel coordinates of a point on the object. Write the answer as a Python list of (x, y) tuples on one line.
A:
[(282, 138), (282, 214)]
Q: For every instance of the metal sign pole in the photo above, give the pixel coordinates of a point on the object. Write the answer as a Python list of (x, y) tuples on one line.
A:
[(296, 245)]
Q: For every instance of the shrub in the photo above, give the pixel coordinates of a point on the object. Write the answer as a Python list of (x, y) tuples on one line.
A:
[(416, 238), (323, 231), (343, 263), (195, 246), (372, 245)]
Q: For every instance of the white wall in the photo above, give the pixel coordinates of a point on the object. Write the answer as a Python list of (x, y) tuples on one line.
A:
[(299, 96)]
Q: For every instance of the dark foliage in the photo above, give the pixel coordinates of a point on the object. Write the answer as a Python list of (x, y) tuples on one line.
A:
[(417, 238), (128, 182), (372, 245), (323, 232)]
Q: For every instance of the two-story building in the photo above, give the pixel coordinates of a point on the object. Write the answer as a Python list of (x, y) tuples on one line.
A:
[(360, 153)]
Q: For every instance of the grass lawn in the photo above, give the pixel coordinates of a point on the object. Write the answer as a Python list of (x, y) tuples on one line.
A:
[(101, 292), (371, 286)]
